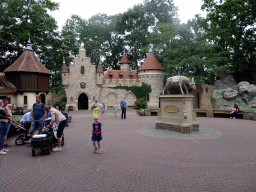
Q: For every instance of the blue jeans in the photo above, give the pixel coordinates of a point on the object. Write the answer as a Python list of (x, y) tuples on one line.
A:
[(233, 114), (3, 132), (35, 124)]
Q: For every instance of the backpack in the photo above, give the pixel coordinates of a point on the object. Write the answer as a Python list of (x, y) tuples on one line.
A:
[(122, 104)]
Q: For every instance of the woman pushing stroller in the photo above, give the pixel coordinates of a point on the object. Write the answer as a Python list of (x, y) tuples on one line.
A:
[(60, 120)]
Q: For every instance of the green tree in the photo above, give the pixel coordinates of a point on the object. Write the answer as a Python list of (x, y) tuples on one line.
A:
[(185, 49), (232, 28), (136, 24), (21, 19)]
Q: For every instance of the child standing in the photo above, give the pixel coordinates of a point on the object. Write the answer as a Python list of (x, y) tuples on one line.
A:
[(96, 134), (103, 109), (115, 109)]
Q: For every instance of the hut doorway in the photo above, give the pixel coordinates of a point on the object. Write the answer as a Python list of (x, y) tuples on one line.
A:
[(43, 98)]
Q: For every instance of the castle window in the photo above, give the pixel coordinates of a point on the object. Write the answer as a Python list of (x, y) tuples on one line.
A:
[(120, 76), (82, 70), (147, 97), (25, 100), (110, 76)]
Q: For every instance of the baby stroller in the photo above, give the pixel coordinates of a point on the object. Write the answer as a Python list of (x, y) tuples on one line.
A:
[(25, 127), (53, 129), (47, 140)]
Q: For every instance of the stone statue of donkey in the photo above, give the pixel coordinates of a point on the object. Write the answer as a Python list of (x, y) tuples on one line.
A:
[(179, 80)]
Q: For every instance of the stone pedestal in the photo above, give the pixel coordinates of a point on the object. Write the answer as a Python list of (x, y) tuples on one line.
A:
[(176, 113)]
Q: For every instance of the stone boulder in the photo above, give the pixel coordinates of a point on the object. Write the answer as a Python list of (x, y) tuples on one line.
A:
[(227, 82), (243, 87), (230, 94), (224, 97)]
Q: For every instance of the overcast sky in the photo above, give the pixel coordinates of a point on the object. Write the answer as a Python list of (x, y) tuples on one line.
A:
[(86, 9)]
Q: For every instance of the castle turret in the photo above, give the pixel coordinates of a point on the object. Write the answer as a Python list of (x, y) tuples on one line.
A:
[(124, 63), (65, 74), (151, 72), (99, 75)]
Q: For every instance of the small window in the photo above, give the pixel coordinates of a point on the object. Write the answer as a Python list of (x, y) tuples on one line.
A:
[(120, 76), (82, 70), (25, 100), (147, 97), (110, 76), (131, 76)]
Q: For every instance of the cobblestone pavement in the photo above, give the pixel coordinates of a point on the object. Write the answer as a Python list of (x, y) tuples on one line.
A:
[(136, 157)]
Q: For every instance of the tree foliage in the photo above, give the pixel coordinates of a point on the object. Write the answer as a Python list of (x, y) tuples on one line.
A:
[(21, 19), (139, 91), (232, 28)]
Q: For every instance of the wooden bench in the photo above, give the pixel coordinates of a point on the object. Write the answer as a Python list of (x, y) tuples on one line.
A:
[(200, 112), (154, 112), (226, 113)]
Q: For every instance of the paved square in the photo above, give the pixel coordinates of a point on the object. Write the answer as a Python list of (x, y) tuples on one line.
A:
[(136, 157)]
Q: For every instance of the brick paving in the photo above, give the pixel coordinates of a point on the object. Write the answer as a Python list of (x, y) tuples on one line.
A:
[(220, 157)]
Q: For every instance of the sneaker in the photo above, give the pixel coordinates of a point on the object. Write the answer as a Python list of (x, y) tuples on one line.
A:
[(56, 149), (29, 145), (5, 150), (3, 153), (234, 118), (230, 117), (7, 145)]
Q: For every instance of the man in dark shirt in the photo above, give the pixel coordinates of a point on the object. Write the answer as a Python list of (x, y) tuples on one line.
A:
[(123, 104), (37, 116)]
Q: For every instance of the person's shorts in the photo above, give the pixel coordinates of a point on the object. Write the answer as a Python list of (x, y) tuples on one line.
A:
[(103, 110), (35, 124)]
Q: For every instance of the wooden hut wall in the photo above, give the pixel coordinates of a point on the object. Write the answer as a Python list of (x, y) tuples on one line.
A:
[(29, 82), (14, 78), (43, 82)]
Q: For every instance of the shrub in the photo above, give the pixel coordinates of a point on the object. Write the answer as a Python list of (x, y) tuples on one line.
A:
[(61, 105), (140, 103)]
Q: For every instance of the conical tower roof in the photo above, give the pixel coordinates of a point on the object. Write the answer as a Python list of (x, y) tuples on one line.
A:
[(28, 62), (151, 63), (124, 60), (64, 68)]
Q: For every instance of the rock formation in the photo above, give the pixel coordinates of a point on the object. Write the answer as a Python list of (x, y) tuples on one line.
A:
[(227, 92)]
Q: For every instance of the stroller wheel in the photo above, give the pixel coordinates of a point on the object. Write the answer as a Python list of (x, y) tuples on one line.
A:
[(19, 140)]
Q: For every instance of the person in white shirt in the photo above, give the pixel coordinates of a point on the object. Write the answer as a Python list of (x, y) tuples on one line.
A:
[(60, 120), (26, 117)]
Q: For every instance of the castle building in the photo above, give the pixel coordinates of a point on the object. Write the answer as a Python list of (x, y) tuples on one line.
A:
[(84, 84), (26, 78)]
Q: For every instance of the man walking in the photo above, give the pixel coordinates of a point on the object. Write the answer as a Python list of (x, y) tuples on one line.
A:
[(123, 104), (37, 116)]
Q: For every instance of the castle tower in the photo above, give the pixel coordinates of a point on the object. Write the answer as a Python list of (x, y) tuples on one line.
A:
[(124, 63), (99, 75), (151, 72), (65, 74)]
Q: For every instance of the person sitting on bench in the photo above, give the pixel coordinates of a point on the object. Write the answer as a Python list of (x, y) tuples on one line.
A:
[(234, 111)]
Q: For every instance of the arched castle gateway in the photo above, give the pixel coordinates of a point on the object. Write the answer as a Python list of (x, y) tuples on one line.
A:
[(83, 84)]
